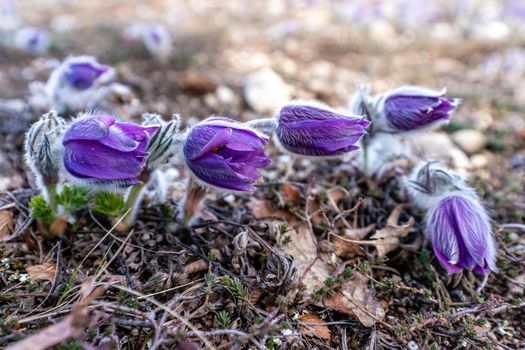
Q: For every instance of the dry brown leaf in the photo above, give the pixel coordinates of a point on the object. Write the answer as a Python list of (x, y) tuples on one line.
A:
[(263, 209), (291, 194), (356, 298), (347, 249), (359, 233), (45, 272), (302, 246), (389, 238), (6, 223), (314, 327)]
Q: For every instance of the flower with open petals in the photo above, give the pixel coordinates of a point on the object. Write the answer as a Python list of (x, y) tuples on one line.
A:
[(461, 236), (313, 129), (226, 154), (75, 82), (412, 107), (102, 150)]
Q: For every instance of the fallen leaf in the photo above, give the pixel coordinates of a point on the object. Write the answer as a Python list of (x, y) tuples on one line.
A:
[(389, 238), (291, 194), (357, 299), (45, 272), (345, 249), (6, 223), (263, 209), (302, 246), (314, 327), (358, 233)]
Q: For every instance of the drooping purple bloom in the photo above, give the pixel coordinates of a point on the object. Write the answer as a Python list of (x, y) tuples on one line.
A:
[(313, 129), (82, 75), (223, 153), (75, 83), (102, 149), (460, 231), (412, 107)]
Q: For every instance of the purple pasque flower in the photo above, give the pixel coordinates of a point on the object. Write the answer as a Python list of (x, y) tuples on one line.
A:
[(81, 74), (33, 40), (314, 129), (74, 84), (461, 235), (412, 107), (100, 149), (156, 38), (226, 154)]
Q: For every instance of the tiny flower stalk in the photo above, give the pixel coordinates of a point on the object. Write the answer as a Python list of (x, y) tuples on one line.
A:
[(191, 204)]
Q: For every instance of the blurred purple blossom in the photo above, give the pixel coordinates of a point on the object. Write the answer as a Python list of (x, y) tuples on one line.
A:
[(74, 84), (33, 40), (412, 107), (156, 38), (461, 235), (226, 154), (102, 149), (314, 129)]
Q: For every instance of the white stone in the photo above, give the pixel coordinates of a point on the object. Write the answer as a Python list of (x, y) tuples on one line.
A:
[(469, 140), (265, 91), (225, 95)]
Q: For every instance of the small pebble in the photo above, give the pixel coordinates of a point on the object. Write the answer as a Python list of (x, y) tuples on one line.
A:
[(471, 141), (412, 345)]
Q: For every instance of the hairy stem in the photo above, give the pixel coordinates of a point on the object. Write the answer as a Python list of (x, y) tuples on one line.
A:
[(263, 124), (133, 200), (191, 204)]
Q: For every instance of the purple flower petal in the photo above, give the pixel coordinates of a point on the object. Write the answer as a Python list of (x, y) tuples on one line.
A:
[(314, 131), (99, 148), (411, 108), (82, 75), (225, 154), (461, 234)]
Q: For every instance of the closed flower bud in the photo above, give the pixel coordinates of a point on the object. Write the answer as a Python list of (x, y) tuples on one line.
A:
[(43, 149), (411, 108), (461, 235), (74, 83), (225, 154), (102, 151), (314, 129), (160, 147)]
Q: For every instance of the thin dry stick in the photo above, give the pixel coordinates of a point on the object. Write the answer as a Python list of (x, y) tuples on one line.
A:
[(171, 312)]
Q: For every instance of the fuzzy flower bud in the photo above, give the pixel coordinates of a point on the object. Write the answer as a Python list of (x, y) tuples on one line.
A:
[(461, 235), (160, 145), (412, 107), (314, 129), (226, 154), (42, 149), (74, 83), (456, 222), (100, 150)]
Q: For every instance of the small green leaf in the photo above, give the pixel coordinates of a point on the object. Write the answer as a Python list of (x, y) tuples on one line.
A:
[(73, 198), (41, 210), (110, 204), (223, 318)]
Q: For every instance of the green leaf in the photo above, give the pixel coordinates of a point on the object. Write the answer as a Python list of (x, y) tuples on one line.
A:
[(110, 204), (73, 198), (41, 210)]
